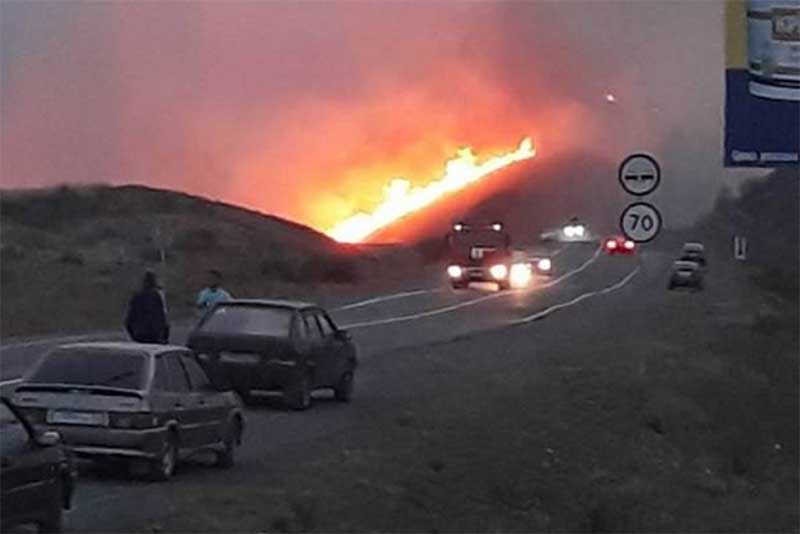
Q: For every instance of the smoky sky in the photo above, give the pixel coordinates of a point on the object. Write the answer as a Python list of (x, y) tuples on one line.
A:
[(305, 109)]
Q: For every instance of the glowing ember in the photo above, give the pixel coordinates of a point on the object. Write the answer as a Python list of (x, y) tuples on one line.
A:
[(400, 198)]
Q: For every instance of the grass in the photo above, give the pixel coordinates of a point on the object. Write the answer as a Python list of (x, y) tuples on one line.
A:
[(71, 257)]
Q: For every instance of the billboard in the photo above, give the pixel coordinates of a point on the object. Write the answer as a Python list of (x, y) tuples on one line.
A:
[(762, 83)]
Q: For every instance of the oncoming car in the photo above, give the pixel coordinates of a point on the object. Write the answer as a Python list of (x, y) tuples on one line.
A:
[(482, 253), (619, 245), (280, 346), (574, 231), (145, 404)]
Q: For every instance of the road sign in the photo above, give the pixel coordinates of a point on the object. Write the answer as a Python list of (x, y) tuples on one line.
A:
[(640, 222), (639, 174)]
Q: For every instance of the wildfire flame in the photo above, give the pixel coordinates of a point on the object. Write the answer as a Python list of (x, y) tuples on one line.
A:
[(400, 198)]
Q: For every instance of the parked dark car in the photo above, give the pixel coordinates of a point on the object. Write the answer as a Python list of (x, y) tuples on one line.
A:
[(272, 345), (148, 404), (38, 478)]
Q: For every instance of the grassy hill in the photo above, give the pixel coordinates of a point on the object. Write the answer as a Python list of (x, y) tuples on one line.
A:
[(72, 256)]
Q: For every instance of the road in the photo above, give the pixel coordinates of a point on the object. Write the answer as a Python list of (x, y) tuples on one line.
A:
[(426, 314)]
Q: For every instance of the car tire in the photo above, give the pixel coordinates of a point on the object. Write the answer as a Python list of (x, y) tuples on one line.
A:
[(298, 395), (54, 522), (226, 457), (163, 467), (343, 392)]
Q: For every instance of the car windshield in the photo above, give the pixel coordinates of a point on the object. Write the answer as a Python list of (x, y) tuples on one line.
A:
[(92, 367), (272, 321)]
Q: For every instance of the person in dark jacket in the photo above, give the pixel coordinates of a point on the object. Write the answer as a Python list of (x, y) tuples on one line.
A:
[(146, 320)]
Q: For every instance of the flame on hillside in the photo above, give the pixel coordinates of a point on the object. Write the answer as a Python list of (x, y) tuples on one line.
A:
[(400, 198)]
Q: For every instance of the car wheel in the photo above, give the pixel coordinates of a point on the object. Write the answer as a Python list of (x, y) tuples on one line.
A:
[(227, 456), (343, 391), (298, 396), (163, 467), (54, 522)]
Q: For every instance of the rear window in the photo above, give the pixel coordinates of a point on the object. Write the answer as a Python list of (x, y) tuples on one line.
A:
[(252, 320), (92, 368)]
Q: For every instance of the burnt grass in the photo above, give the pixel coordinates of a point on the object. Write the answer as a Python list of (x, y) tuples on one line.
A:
[(644, 411)]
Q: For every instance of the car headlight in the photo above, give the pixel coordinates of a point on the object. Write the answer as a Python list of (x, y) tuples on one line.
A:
[(499, 271), (569, 231), (454, 271), (544, 264), (520, 274), (578, 230)]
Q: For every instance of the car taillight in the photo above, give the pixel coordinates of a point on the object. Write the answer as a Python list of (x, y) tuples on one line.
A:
[(629, 245), (133, 420), (611, 244)]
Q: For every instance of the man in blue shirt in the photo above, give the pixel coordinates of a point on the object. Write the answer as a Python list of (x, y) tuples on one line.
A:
[(213, 293)]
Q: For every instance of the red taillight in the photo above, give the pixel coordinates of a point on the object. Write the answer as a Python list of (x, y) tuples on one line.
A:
[(629, 245), (611, 244)]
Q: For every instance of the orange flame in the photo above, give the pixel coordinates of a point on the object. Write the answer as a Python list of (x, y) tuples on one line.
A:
[(400, 198)]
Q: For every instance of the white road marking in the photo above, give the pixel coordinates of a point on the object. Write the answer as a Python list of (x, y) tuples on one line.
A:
[(385, 298), (460, 305), (578, 299), (10, 381)]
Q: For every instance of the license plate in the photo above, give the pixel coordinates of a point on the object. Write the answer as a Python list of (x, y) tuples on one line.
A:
[(239, 357), (72, 417)]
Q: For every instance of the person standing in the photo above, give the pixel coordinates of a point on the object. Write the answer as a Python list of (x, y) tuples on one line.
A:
[(146, 320), (213, 293)]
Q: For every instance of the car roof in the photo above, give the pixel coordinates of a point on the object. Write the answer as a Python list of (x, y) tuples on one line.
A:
[(693, 246), (271, 303), (149, 349)]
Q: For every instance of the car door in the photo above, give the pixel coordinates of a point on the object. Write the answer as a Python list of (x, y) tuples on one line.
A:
[(315, 350), (211, 405), (29, 471), (183, 404), (332, 350)]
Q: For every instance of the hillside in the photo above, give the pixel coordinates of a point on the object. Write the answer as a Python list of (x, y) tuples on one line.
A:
[(72, 256)]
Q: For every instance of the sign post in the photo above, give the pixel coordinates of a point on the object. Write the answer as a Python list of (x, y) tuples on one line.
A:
[(639, 175)]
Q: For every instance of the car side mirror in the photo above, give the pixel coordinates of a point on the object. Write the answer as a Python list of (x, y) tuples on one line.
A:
[(49, 439)]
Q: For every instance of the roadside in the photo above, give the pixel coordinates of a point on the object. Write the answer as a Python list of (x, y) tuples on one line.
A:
[(644, 410)]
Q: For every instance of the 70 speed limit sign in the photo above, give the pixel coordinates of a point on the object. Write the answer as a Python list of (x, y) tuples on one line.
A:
[(640, 222)]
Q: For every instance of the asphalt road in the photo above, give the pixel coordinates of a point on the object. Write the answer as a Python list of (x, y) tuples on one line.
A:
[(427, 313)]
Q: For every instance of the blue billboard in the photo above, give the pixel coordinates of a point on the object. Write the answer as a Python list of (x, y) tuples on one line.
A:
[(762, 83)]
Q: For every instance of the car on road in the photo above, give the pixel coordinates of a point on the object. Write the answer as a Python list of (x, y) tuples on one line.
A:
[(696, 252), (482, 253), (149, 405), (574, 231), (619, 245), (686, 274), (277, 346), (38, 477)]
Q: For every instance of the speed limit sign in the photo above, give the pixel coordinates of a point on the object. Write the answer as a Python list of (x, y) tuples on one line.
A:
[(640, 222)]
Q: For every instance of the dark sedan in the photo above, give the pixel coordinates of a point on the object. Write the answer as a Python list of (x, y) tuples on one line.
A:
[(37, 476), (272, 345), (147, 404)]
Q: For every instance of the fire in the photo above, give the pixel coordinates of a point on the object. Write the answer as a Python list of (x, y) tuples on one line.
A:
[(400, 198)]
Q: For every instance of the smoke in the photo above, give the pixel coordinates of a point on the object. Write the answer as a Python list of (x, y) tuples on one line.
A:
[(306, 110)]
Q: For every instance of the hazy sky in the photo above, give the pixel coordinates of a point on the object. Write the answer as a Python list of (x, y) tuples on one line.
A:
[(305, 109)]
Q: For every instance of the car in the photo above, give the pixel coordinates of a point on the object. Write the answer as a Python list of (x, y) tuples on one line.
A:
[(574, 231), (696, 252), (38, 476), (483, 253), (686, 274), (619, 245), (541, 264), (147, 405), (280, 346)]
